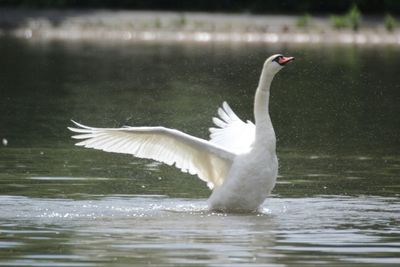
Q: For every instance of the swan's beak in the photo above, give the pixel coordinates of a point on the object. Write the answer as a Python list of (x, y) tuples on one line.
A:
[(283, 60)]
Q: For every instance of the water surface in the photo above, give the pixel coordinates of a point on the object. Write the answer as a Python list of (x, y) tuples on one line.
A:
[(335, 112)]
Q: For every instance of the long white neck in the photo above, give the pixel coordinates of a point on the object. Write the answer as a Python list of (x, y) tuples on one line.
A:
[(264, 131)]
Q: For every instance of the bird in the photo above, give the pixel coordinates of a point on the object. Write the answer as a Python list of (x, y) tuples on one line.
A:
[(238, 162)]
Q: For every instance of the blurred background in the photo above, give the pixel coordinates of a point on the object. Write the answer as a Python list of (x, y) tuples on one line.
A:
[(251, 6)]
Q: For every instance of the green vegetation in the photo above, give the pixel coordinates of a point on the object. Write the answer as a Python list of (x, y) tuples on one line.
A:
[(339, 22), (390, 22), (180, 21), (352, 19), (303, 21), (157, 23)]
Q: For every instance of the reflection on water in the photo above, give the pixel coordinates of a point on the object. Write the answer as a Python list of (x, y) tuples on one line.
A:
[(335, 114), (139, 229)]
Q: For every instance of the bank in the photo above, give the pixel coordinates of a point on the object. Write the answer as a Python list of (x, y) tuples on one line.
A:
[(76, 25)]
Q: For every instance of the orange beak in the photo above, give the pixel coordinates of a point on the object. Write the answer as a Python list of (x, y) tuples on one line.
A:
[(284, 60)]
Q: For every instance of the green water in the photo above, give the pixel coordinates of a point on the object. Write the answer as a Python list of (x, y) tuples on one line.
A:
[(336, 116)]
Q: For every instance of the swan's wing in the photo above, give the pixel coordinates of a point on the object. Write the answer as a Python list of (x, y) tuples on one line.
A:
[(190, 154), (233, 134)]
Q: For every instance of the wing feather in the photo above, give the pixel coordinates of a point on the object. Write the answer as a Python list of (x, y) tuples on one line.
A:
[(190, 154), (232, 133)]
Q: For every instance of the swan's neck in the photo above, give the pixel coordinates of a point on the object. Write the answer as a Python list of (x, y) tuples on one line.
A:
[(264, 131)]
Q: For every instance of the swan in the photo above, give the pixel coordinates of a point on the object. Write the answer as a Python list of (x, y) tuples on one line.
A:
[(238, 163)]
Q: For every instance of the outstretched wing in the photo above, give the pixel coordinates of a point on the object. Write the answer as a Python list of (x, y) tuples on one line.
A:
[(190, 154), (233, 134)]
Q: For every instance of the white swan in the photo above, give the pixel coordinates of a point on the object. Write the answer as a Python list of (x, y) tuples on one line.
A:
[(239, 161)]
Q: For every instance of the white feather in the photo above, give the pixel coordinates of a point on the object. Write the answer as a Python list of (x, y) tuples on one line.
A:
[(190, 154), (233, 134), (241, 165)]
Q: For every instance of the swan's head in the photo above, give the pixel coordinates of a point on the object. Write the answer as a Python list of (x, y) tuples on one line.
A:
[(276, 62)]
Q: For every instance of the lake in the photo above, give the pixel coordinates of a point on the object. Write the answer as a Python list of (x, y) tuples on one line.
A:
[(336, 115)]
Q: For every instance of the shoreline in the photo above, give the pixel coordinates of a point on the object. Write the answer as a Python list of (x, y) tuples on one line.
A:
[(86, 25)]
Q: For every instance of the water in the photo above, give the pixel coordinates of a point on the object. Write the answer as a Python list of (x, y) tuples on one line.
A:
[(335, 111)]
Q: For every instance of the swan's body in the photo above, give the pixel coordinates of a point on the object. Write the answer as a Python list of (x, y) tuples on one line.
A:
[(239, 161)]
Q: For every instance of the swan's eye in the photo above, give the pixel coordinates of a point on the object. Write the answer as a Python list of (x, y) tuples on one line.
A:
[(281, 60), (277, 59)]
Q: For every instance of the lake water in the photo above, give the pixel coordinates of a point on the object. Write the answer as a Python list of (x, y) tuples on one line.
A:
[(336, 115)]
